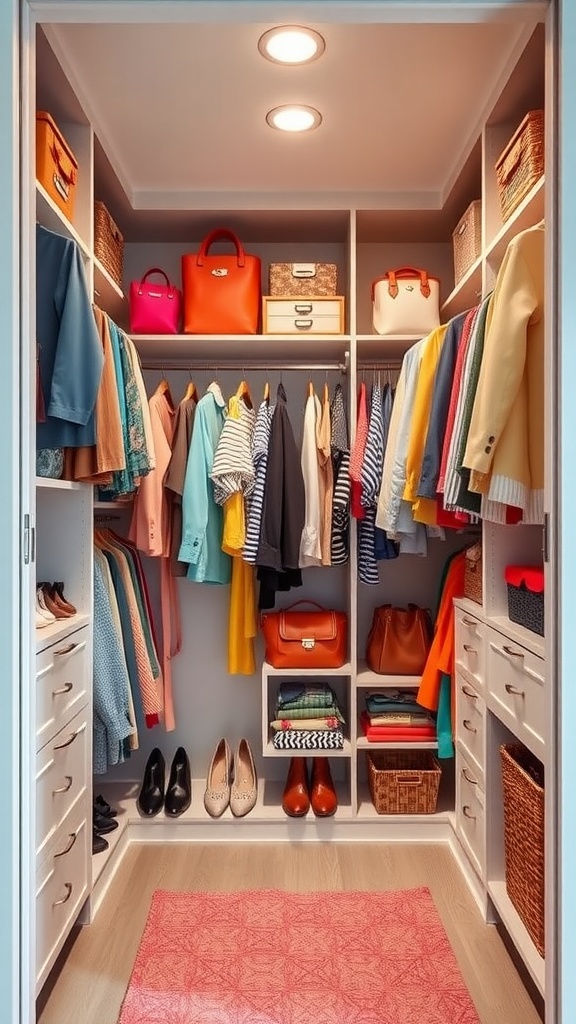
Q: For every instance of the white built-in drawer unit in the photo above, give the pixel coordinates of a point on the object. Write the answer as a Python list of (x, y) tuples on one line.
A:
[(61, 888), (470, 815), (62, 684), (471, 724), (516, 690), (470, 634), (301, 315), (62, 773)]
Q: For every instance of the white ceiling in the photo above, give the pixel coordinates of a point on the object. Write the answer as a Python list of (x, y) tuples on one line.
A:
[(180, 110)]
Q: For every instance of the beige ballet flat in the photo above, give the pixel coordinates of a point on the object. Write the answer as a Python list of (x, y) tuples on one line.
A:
[(217, 792), (244, 789)]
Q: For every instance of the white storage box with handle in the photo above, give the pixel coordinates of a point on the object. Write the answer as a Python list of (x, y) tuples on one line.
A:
[(405, 301)]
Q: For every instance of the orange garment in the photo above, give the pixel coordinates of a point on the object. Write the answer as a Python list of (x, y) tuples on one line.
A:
[(441, 655), (96, 464)]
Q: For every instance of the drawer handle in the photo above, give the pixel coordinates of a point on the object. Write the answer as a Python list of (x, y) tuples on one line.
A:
[(469, 622), (68, 887), (469, 650), (514, 690), (66, 650), (60, 746), (467, 812), (303, 307), (464, 772), (512, 652), (468, 725), (469, 693), (303, 325), (64, 789), (62, 689), (73, 836)]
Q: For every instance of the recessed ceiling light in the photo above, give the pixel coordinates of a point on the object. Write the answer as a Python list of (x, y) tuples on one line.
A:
[(293, 118), (291, 44)]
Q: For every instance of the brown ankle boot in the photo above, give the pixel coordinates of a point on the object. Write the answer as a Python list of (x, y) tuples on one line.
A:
[(296, 796), (322, 792)]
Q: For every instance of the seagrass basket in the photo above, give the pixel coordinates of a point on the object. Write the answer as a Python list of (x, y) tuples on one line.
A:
[(473, 573), (521, 164), (523, 785), (108, 243), (467, 239), (403, 781)]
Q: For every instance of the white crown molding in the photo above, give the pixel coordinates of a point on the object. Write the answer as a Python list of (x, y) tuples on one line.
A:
[(158, 199)]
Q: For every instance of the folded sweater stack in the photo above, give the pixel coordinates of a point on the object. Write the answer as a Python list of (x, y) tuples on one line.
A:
[(394, 716), (307, 717)]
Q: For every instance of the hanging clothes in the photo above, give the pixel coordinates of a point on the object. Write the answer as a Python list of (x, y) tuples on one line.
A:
[(176, 472), (357, 455), (325, 476), (339, 540), (283, 510), (70, 356), (233, 477), (505, 445), (310, 543), (440, 659), (371, 478), (202, 518), (260, 444), (422, 509), (384, 548), (455, 400)]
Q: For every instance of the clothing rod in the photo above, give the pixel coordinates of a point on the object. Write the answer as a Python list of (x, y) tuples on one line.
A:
[(217, 366)]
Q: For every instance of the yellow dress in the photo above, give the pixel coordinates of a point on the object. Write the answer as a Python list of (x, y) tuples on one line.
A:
[(423, 509)]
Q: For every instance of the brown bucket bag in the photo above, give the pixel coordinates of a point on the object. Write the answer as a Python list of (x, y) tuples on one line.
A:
[(399, 640)]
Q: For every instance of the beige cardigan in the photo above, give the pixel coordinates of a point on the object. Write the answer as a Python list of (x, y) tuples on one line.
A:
[(505, 448)]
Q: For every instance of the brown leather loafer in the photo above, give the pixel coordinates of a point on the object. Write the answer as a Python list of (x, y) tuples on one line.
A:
[(296, 796), (322, 792)]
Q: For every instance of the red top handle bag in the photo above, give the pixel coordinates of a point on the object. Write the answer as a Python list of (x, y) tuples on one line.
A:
[(155, 308), (222, 294)]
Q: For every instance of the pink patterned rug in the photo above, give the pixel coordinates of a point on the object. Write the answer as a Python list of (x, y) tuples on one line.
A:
[(271, 957)]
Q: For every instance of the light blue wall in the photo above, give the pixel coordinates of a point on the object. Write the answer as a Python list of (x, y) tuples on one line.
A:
[(9, 516)]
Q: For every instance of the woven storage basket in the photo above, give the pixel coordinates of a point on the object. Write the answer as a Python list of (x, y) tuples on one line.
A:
[(473, 573), (523, 784), (467, 239), (108, 243), (521, 164), (403, 781)]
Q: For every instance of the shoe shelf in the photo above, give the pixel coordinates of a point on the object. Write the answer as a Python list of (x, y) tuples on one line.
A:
[(123, 801), (59, 630)]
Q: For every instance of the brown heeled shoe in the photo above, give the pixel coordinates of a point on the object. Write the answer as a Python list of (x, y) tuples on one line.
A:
[(58, 594), (296, 795), (52, 605), (322, 792)]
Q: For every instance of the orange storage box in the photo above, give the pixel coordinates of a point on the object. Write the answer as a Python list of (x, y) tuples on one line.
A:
[(56, 165)]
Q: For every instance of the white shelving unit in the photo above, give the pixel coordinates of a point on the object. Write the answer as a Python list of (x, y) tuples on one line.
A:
[(515, 927)]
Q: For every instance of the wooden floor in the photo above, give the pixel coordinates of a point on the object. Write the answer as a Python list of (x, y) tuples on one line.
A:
[(89, 983)]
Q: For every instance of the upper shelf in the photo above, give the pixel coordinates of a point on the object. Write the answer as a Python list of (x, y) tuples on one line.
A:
[(270, 348), (51, 216)]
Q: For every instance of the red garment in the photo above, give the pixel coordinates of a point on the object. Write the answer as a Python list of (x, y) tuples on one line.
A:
[(357, 455)]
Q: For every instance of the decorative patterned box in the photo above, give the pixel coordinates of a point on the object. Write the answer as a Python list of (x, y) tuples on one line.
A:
[(56, 165), (303, 279), (467, 239)]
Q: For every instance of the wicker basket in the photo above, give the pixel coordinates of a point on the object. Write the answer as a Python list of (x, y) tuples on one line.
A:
[(108, 243), (523, 784), (473, 573), (403, 781), (521, 164), (467, 239)]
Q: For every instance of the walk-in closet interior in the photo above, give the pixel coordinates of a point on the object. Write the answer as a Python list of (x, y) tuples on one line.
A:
[(163, 107)]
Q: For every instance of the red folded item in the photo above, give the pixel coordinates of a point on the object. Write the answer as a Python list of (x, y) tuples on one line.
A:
[(395, 732), (400, 736)]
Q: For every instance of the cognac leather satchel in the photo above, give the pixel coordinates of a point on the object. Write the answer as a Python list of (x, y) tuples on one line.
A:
[(305, 639), (222, 294), (399, 640)]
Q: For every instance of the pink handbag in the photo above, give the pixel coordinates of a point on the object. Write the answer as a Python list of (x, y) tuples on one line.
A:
[(155, 308)]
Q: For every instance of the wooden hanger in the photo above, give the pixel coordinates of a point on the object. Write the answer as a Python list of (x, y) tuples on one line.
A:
[(191, 392), (310, 389), (267, 392), (244, 392)]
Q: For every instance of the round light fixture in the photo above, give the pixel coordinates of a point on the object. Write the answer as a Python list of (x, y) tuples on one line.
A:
[(293, 118), (291, 44)]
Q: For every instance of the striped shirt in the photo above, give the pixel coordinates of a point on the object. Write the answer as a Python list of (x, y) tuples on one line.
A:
[(233, 468), (341, 465), (371, 478), (260, 460)]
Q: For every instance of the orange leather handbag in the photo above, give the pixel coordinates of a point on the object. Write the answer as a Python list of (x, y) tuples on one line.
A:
[(222, 294), (305, 639), (399, 641)]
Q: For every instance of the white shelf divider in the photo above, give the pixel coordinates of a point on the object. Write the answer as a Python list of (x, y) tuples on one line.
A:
[(49, 483), (517, 931)]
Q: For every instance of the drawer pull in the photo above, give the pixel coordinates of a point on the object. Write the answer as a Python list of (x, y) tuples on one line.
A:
[(469, 693), (464, 773), (469, 650), (303, 307), (467, 812), (66, 650), (468, 725), (73, 836), (60, 746), (64, 789), (68, 887), (514, 690), (469, 622), (62, 689), (303, 325), (512, 652)]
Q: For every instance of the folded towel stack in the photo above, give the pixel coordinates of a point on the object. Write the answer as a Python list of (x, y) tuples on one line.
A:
[(394, 716), (307, 717)]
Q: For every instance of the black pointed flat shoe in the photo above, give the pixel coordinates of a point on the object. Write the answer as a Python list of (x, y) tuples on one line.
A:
[(151, 797), (99, 844), (103, 807), (179, 792), (102, 824)]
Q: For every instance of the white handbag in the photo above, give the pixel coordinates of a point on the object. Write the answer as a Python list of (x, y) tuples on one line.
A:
[(406, 301)]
